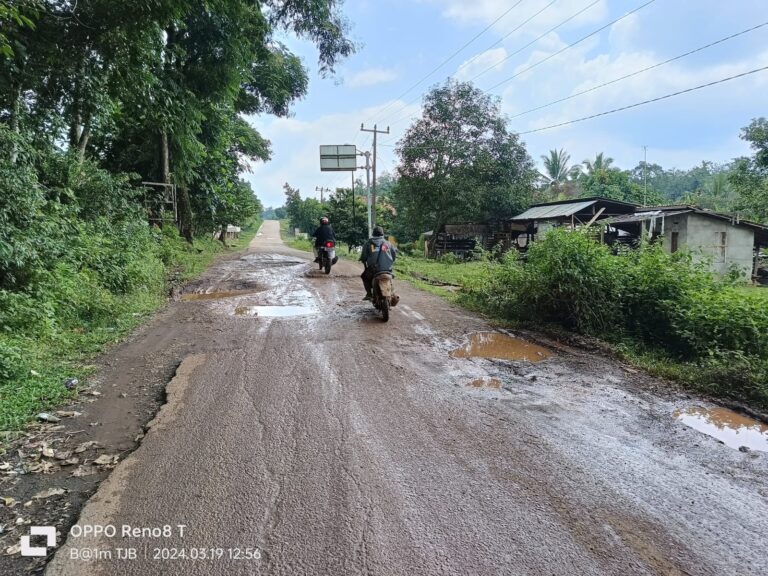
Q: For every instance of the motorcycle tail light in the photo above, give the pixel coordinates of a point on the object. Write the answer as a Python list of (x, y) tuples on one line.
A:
[(329, 244)]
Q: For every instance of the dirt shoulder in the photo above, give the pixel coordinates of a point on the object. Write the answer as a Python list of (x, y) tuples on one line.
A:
[(48, 474)]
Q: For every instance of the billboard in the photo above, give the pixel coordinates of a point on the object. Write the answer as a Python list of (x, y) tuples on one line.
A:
[(341, 158)]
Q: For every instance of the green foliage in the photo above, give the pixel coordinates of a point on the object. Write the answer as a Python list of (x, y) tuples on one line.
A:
[(660, 302), (303, 214), (350, 224), (460, 161)]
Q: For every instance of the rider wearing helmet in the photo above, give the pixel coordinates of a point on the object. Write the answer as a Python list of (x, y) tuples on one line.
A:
[(378, 255), (323, 233)]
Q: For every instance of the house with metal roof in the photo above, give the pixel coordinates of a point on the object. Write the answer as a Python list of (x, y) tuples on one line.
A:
[(725, 241)]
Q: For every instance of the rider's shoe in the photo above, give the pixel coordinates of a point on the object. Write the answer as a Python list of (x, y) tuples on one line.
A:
[(368, 297)]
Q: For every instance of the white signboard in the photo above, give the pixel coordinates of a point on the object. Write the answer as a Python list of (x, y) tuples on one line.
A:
[(338, 158)]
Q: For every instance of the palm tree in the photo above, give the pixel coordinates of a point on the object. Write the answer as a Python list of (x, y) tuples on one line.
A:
[(601, 162), (556, 168)]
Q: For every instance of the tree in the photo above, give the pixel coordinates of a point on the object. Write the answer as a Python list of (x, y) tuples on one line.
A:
[(350, 226), (749, 176), (601, 162), (459, 161), (558, 176), (303, 214), (557, 170)]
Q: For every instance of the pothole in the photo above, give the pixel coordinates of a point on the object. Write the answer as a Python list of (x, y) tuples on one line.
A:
[(275, 311), (731, 428), (493, 383), (218, 295), (502, 347)]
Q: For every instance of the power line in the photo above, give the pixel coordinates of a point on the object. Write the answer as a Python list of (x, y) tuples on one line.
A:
[(477, 55), (637, 72), (666, 96), (569, 46), (444, 62), (500, 40), (532, 42), (551, 55)]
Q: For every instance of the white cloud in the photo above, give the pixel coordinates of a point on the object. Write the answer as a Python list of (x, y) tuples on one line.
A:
[(490, 60), (296, 143), (370, 77), (542, 17)]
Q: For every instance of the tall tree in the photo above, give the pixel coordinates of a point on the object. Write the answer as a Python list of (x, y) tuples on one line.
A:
[(749, 176), (601, 162), (459, 161)]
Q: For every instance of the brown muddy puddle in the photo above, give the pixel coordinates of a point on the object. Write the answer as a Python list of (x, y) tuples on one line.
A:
[(731, 428), (502, 347), (493, 383), (275, 311), (217, 295)]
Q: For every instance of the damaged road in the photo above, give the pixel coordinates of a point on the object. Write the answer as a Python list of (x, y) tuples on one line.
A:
[(301, 435)]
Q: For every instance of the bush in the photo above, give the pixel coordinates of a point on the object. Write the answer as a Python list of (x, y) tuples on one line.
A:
[(661, 299), (11, 362)]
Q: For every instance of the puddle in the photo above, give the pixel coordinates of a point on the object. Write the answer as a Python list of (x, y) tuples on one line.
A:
[(218, 295), (274, 311), (731, 428), (485, 383), (501, 346)]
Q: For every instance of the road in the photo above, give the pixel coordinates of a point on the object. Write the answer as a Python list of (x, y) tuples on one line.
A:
[(335, 444)]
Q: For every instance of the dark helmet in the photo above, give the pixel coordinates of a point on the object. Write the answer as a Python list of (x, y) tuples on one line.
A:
[(378, 231), (324, 220)]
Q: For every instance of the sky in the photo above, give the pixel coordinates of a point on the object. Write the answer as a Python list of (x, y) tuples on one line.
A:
[(518, 50)]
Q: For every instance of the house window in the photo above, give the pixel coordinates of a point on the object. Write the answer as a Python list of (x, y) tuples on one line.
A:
[(675, 240), (721, 241)]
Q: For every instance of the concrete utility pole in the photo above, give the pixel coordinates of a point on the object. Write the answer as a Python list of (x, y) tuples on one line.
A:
[(321, 190), (645, 175), (375, 131), (368, 187)]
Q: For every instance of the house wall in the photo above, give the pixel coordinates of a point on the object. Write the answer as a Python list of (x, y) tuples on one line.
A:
[(701, 236)]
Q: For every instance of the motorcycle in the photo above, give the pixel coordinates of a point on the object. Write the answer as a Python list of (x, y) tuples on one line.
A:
[(326, 255), (384, 297)]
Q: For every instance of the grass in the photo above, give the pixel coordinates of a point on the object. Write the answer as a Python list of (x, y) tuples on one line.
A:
[(42, 362), (441, 278)]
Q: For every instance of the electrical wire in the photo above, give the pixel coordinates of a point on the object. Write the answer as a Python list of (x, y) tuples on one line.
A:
[(444, 62), (665, 97), (404, 106), (532, 42), (637, 72), (569, 46)]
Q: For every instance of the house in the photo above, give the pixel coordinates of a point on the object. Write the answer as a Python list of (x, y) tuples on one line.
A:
[(539, 218), (725, 241)]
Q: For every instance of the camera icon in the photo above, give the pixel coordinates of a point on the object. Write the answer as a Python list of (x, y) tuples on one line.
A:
[(50, 541)]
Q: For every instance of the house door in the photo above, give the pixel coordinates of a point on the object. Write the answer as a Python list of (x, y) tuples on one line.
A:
[(675, 239)]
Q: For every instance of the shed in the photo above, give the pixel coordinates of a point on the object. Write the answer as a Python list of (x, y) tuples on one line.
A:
[(571, 213)]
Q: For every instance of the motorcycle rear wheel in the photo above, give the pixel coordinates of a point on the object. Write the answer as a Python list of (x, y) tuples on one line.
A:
[(385, 309)]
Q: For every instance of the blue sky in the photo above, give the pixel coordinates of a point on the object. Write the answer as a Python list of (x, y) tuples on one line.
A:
[(402, 41)]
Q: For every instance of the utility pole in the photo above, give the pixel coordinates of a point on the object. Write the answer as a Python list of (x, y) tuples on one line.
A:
[(321, 190), (368, 187), (375, 131), (645, 175), (353, 210)]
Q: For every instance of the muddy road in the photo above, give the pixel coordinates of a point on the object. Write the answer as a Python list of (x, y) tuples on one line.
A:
[(302, 436)]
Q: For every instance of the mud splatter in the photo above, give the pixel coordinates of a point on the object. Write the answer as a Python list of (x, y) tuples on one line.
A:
[(494, 383), (731, 428), (500, 346)]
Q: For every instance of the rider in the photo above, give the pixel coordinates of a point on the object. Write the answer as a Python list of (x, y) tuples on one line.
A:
[(378, 255), (323, 233)]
